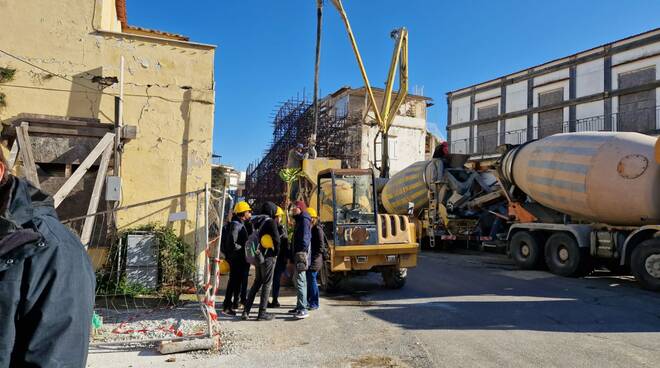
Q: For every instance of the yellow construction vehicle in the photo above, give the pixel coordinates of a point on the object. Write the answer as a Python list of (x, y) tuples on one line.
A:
[(360, 239)]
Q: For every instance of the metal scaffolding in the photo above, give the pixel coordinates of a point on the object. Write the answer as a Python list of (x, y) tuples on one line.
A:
[(338, 137)]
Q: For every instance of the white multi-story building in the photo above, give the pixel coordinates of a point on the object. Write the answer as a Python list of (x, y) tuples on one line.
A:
[(409, 138), (613, 87)]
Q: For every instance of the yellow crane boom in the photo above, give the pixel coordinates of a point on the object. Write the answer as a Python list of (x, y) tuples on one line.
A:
[(388, 109)]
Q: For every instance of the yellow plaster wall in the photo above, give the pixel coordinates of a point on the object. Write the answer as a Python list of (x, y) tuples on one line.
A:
[(108, 21), (169, 95)]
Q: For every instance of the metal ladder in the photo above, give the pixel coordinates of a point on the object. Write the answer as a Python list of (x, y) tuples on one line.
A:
[(432, 215)]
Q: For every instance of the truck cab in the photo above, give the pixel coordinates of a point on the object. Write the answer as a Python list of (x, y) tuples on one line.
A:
[(359, 238)]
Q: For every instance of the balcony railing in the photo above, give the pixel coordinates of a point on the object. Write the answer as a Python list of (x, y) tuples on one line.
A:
[(645, 121)]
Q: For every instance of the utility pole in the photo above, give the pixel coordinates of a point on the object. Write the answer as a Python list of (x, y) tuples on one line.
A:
[(319, 21)]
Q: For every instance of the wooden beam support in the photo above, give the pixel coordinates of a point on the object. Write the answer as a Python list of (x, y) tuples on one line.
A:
[(78, 131), (82, 169), (13, 153), (27, 157), (88, 226)]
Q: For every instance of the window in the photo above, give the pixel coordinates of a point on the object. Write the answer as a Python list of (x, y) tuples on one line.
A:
[(341, 107), (355, 200), (552, 121), (486, 112), (392, 149), (637, 111), (487, 135)]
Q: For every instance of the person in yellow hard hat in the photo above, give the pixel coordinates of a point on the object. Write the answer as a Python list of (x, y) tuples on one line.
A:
[(282, 258), (269, 246), (279, 214), (235, 235)]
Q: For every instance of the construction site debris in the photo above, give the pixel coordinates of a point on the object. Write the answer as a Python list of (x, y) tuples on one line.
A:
[(172, 347), (159, 323)]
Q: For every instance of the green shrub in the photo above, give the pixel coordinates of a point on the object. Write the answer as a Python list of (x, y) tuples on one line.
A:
[(176, 267)]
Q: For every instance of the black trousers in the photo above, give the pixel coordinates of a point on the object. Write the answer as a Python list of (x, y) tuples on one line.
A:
[(263, 280), (280, 267), (244, 282), (238, 275)]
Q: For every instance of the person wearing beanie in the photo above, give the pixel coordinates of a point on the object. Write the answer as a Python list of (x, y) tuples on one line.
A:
[(319, 253), (302, 237)]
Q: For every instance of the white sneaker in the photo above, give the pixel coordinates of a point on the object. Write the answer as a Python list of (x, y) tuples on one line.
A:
[(302, 314)]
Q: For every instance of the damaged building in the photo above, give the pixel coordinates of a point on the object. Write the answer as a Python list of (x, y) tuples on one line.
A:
[(62, 81), (347, 131)]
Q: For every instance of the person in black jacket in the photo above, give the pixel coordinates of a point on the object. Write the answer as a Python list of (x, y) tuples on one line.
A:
[(47, 281), (318, 255), (302, 237), (234, 237), (269, 246), (282, 259)]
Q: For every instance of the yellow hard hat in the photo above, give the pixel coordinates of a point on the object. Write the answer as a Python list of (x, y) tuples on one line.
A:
[(267, 241), (312, 212), (242, 207), (280, 212), (224, 267)]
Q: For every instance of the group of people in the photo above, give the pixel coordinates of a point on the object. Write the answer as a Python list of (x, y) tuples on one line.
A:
[(267, 232)]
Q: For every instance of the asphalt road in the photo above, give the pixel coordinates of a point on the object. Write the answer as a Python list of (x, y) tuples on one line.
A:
[(481, 311), (457, 310)]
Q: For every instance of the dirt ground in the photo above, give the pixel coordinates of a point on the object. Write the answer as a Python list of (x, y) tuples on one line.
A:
[(457, 310)]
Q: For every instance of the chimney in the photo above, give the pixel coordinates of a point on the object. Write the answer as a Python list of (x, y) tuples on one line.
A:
[(121, 12)]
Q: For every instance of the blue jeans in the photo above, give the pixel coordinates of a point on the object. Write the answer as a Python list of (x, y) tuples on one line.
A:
[(312, 289), (300, 281)]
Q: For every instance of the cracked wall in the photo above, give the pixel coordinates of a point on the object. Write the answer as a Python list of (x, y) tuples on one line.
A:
[(169, 95)]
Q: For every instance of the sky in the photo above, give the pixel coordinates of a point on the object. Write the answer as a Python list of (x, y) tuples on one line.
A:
[(265, 51)]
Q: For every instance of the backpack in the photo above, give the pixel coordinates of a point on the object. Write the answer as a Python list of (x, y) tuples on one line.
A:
[(253, 254), (225, 247)]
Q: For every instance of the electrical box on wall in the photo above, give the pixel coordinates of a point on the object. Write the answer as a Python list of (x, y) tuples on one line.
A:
[(113, 188)]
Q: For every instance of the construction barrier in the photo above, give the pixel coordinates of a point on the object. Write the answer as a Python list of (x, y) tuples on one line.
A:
[(154, 283)]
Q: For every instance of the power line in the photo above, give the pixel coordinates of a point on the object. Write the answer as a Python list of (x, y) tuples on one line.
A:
[(51, 73), (95, 90)]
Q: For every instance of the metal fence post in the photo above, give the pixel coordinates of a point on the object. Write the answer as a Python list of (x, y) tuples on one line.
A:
[(209, 319), (216, 255)]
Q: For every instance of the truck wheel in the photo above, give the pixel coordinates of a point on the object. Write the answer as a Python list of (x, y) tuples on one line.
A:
[(526, 250), (395, 278), (563, 255), (329, 280), (645, 264)]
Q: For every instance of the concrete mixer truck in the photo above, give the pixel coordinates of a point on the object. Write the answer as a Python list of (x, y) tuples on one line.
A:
[(450, 203), (578, 199)]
